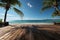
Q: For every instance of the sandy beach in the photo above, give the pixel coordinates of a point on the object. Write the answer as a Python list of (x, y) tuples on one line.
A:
[(30, 32)]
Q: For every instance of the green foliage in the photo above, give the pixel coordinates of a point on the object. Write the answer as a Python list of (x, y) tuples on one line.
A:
[(18, 11), (47, 4), (12, 2), (2, 5), (8, 4), (0, 20), (54, 14)]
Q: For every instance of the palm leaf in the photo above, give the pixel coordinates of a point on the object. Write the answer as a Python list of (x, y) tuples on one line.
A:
[(12, 2), (18, 12), (2, 5), (47, 4), (15, 2), (55, 14), (45, 8), (19, 3)]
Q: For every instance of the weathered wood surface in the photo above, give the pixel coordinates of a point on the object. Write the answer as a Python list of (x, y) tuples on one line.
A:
[(10, 33), (29, 33)]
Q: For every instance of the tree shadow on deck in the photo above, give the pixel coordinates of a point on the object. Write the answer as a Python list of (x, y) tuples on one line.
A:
[(39, 34)]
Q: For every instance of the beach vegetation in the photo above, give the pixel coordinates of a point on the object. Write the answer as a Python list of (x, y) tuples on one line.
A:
[(0, 20), (11, 4), (54, 4)]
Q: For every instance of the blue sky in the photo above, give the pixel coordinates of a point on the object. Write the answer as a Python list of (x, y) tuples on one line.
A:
[(31, 10)]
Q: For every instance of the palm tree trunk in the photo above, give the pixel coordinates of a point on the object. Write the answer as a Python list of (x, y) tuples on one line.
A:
[(7, 8), (5, 15)]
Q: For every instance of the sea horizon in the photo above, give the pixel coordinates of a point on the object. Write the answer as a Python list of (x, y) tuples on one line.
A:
[(46, 21)]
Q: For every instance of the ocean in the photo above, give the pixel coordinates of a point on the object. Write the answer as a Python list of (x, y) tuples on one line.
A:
[(34, 21)]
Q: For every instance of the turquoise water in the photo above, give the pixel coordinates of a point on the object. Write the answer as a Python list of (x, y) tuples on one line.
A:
[(34, 21)]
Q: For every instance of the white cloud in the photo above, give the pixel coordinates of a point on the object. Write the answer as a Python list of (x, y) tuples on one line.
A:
[(29, 5)]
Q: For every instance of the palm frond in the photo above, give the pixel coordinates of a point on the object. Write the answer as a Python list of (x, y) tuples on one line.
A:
[(19, 3), (47, 4), (2, 5), (12, 2), (15, 2), (55, 14), (18, 12), (45, 8)]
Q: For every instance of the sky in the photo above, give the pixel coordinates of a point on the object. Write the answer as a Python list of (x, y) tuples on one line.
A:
[(31, 10)]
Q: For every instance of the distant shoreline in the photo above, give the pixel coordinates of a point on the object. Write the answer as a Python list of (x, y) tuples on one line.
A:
[(33, 23)]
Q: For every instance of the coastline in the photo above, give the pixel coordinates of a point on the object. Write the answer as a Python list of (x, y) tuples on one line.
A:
[(44, 26), (32, 23)]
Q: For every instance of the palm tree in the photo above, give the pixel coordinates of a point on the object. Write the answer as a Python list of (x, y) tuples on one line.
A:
[(47, 4), (8, 4)]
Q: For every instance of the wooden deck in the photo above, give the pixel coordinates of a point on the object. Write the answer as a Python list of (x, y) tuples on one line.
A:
[(29, 33), (10, 33)]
